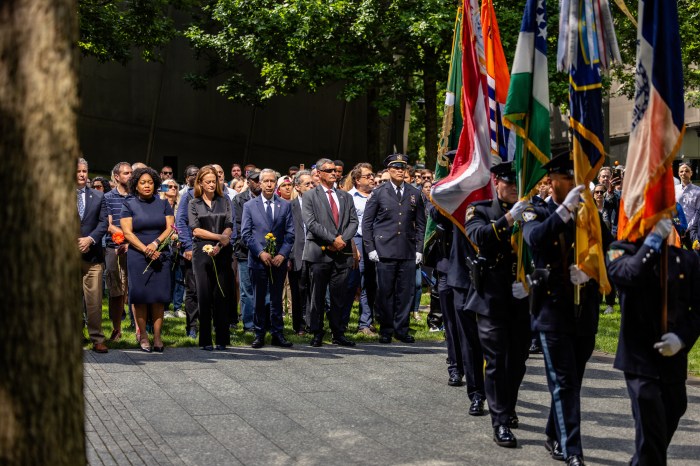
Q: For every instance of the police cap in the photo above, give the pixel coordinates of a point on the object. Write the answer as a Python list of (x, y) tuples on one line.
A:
[(560, 163), (504, 171), (451, 155), (396, 160)]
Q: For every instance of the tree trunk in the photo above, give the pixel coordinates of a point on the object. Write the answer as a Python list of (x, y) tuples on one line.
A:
[(431, 110), (41, 390), (373, 132)]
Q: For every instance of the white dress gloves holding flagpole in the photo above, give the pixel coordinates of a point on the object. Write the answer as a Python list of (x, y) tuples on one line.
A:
[(518, 208), (573, 199)]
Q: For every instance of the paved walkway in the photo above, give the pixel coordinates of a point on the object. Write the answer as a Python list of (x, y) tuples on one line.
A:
[(366, 405)]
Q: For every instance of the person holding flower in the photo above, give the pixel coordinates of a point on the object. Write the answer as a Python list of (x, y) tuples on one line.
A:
[(267, 229), (211, 222), (147, 221)]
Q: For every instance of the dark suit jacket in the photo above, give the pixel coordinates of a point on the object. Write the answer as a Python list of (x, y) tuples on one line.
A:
[(299, 237), (255, 225), (394, 229), (94, 224), (321, 229)]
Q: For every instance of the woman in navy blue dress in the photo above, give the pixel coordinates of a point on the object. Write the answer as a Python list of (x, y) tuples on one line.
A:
[(147, 221)]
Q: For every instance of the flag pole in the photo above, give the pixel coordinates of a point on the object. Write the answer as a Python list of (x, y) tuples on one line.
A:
[(664, 286), (521, 192)]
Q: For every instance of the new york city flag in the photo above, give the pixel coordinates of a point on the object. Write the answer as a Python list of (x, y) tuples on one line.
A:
[(658, 121)]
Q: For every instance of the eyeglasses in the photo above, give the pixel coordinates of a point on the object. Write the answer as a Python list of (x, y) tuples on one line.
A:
[(367, 177), (166, 173), (327, 170), (172, 186), (598, 192), (426, 177)]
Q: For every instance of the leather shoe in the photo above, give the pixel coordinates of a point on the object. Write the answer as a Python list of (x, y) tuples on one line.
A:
[(405, 338), (208, 348), (386, 339), (513, 421), (575, 460), (455, 380), (504, 437), (342, 341), (477, 407), (259, 342), (99, 348), (220, 347), (317, 341), (281, 342), (554, 449)]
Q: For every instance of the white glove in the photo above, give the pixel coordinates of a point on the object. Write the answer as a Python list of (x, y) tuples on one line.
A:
[(573, 198), (519, 291), (669, 345), (578, 276), (373, 256), (419, 258), (663, 227), (517, 211)]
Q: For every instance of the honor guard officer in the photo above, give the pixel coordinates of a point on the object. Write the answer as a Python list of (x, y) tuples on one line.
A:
[(655, 361), (498, 300), (393, 227), (567, 331)]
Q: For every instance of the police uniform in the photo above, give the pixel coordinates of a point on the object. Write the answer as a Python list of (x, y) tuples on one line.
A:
[(655, 383), (393, 227), (503, 321), (567, 331)]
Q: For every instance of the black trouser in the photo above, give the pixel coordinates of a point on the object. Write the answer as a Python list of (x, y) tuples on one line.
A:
[(469, 344), (396, 294), (447, 306), (268, 280), (565, 358), (300, 295), (657, 407), (212, 303), (323, 275), (505, 342), (232, 292), (191, 303)]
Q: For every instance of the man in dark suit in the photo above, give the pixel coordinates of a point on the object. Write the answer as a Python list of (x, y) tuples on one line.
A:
[(393, 228), (263, 215), (298, 271), (331, 223), (92, 212)]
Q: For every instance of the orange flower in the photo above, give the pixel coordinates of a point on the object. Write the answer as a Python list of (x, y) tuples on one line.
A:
[(118, 237)]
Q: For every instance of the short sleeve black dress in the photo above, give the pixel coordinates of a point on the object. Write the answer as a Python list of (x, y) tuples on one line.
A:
[(148, 222)]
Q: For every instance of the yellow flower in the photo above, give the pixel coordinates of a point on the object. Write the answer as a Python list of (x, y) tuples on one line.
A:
[(268, 236), (208, 248)]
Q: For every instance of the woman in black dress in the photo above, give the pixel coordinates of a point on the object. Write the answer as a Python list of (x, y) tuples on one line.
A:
[(211, 222), (147, 221)]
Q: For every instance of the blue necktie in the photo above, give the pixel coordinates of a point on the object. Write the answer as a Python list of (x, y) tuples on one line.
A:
[(268, 211), (81, 203)]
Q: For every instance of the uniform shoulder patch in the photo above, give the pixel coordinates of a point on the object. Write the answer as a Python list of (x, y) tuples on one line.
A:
[(615, 253), (529, 215), (469, 213)]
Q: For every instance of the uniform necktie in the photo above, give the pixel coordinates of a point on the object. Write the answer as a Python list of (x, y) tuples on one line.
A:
[(268, 211), (81, 203), (398, 193), (334, 207)]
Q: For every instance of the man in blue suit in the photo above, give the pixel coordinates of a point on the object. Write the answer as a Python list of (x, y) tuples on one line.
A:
[(265, 214), (393, 228), (92, 212)]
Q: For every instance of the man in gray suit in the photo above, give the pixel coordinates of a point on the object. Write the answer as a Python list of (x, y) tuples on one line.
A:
[(298, 270), (331, 222)]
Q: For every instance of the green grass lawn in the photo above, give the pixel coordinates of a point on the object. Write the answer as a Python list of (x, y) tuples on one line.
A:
[(173, 333), (609, 328)]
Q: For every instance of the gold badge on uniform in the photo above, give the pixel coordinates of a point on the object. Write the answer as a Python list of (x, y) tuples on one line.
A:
[(529, 215), (615, 254), (469, 213)]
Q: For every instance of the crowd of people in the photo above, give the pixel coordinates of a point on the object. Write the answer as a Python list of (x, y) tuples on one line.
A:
[(322, 237)]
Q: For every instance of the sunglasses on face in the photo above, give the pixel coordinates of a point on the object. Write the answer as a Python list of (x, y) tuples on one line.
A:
[(327, 170), (166, 173), (172, 186), (598, 192)]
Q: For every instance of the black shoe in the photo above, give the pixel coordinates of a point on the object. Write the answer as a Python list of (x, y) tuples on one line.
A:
[(281, 342), (386, 339), (220, 347), (317, 341), (504, 437), (208, 348), (575, 460), (342, 341), (535, 349), (405, 338), (259, 342), (477, 407), (513, 421), (455, 380), (554, 449)]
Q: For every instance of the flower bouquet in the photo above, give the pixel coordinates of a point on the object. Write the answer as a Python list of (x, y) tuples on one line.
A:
[(210, 250), (270, 248)]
